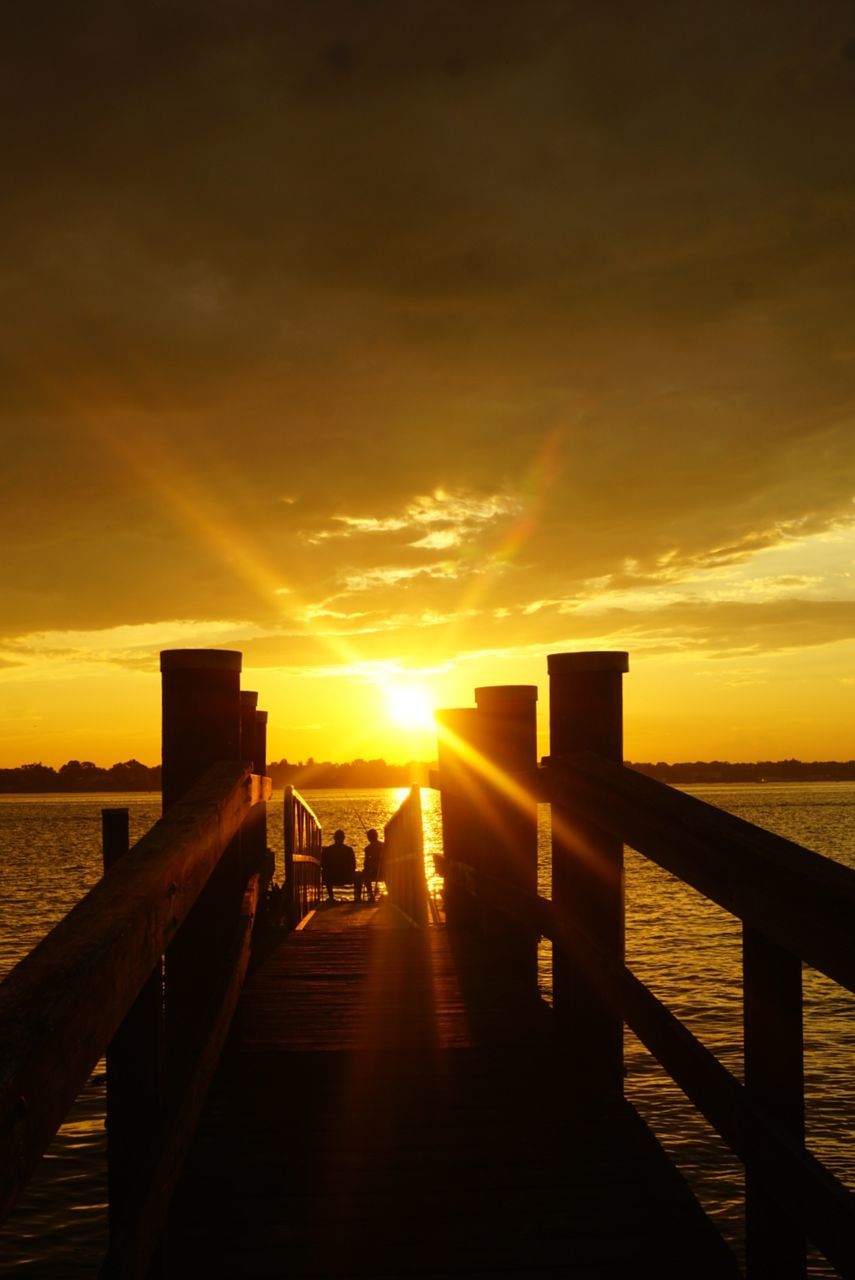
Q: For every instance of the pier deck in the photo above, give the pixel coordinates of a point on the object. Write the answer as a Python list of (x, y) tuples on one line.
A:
[(384, 1111)]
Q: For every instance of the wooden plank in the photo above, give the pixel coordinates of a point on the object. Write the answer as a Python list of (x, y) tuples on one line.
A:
[(391, 1119), (63, 1003)]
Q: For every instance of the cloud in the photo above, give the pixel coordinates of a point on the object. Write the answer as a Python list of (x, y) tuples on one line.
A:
[(393, 576), (457, 513), (445, 311)]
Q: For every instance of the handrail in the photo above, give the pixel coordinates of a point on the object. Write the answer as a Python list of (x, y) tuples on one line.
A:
[(795, 905), (303, 841), (131, 1237), (403, 868), (62, 1004), (796, 897), (799, 899), (803, 1183)]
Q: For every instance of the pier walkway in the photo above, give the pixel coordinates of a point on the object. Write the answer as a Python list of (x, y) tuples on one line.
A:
[(385, 1111), (296, 1089)]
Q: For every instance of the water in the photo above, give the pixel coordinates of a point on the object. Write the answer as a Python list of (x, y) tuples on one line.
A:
[(50, 854), (688, 951), (685, 948)]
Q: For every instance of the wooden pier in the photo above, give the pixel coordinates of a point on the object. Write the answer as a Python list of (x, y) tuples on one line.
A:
[(303, 1089), (386, 1117)]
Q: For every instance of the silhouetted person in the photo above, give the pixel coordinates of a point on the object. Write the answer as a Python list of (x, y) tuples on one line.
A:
[(338, 865), (372, 867)]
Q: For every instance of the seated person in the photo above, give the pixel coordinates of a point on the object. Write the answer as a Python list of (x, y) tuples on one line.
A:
[(372, 866), (338, 865)]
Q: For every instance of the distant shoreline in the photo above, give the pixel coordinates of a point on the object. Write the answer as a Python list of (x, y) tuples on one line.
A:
[(76, 778), (759, 771)]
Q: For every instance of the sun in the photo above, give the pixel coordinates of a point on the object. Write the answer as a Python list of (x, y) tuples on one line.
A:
[(409, 706)]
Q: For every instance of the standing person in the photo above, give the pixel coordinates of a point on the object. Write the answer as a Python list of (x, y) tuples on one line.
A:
[(372, 867), (338, 865)]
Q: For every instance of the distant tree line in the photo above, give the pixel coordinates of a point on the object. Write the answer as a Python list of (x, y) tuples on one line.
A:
[(358, 773), (81, 775), (758, 771)]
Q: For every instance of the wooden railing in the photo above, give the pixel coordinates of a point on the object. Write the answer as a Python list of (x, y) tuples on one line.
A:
[(87, 986), (303, 844), (795, 906), (403, 867)]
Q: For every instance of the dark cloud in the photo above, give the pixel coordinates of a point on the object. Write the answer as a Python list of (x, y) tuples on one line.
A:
[(594, 257)]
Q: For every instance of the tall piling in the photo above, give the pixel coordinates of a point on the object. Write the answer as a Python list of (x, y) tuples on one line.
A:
[(201, 727), (201, 715), (463, 831), (507, 726), (253, 836), (586, 715)]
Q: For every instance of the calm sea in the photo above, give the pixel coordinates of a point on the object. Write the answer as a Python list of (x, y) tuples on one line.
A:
[(685, 948)]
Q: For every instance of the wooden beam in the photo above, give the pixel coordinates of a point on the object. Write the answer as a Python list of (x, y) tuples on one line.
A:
[(774, 1083)]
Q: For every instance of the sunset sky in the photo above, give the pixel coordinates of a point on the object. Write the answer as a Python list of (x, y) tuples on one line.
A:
[(399, 343)]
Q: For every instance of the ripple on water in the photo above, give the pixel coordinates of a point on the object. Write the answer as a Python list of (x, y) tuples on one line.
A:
[(686, 949)]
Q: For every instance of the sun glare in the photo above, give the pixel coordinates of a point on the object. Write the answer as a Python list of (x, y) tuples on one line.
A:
[(409, 706)]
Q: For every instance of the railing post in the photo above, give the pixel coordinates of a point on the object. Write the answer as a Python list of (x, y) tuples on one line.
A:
[(134, 1073), (508, 746), (201, 726), (458, 737), (586, 714), (774, 1080), (292, 910)]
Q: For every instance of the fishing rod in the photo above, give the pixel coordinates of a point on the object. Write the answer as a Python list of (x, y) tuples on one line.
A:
[(358, 814), (371, 884)]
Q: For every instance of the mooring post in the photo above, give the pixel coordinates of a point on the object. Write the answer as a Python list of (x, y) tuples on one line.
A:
[(458, 736), (508, 749), (774, 1081), (586, 715), (201, 727), (134, 1073)]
